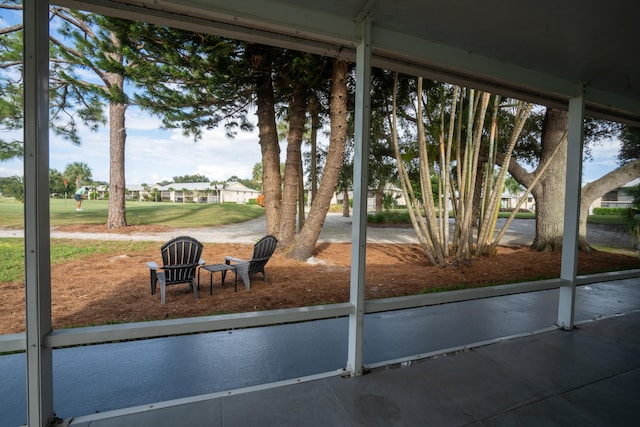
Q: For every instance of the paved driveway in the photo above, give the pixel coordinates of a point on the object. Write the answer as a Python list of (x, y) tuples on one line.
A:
[(338, 229)]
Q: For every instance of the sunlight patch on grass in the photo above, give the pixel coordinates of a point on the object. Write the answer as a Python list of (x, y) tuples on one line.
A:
[(63, 212)]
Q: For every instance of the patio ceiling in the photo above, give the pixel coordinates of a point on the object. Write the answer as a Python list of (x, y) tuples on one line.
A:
[(544, 51)]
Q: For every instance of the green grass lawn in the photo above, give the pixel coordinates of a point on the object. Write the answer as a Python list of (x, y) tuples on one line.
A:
[(62, 250), (63, 212)]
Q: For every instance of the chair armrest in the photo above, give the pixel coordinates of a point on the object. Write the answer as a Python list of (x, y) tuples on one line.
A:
[(230, 259), (152, 265), (242, 270)]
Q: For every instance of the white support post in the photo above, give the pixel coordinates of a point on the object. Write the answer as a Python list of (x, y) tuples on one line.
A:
[(568, 271), (360, 190), (36, 213)]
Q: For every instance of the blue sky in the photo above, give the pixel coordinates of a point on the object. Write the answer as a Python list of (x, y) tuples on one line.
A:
[(153, 154)]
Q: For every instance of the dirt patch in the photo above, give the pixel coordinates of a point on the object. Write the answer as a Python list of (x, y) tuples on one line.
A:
[(115, 288)]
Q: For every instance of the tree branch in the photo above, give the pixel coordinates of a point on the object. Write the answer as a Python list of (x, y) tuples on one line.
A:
[(518, 173)]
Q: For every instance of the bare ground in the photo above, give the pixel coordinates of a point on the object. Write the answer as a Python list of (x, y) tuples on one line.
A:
[(115, 288)]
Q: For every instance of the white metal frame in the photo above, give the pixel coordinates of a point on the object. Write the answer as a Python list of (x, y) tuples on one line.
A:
[(36, 212), (573, 185), (360, 193), (40, 339)]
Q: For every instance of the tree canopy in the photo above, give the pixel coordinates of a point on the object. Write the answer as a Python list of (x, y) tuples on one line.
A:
[(190, 178), (630, 149)]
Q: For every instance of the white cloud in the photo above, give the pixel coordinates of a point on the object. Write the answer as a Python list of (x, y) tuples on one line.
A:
[(153, 154), (604, 160), (156, 155)]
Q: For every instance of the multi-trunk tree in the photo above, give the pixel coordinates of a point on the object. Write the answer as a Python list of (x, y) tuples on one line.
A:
[(456, 152), (547, 181), (198, 81)]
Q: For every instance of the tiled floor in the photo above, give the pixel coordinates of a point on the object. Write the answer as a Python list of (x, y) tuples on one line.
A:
[(581, 377)]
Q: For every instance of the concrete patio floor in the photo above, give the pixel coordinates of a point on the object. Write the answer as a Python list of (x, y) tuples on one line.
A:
[(496, 370)]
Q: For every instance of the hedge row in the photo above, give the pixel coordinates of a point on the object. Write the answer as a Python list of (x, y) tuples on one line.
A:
[(610, 211)]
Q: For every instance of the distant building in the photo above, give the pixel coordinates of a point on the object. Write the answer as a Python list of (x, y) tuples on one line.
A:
[(206, 192), (187, 192), (509, 201), (617, 198), (395, 192)]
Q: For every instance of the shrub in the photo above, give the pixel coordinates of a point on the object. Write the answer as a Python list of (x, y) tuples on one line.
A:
[(389, 217), (610, 211)]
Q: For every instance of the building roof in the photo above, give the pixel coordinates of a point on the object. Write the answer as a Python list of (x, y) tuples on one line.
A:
[(202, 186)]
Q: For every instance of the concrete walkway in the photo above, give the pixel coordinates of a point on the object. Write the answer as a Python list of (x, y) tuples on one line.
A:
[(336, 229)]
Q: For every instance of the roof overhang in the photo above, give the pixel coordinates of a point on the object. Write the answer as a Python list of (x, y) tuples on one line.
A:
[(545, 52)]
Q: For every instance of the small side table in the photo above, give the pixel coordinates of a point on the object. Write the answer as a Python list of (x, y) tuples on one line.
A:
[(212, 268)]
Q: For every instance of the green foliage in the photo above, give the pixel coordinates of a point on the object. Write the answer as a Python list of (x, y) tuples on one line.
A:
[(71, 101), (62, 212), (610, 211), (257, 171), (62, 250), (190, 178), (513, 186), (10, 150), (400, 216), (614, 220), (10, 93), (630, 149), (12, 187), (192, 81), (77, 174), (56, 183), (389, 201), (254, 185), (632, 216)]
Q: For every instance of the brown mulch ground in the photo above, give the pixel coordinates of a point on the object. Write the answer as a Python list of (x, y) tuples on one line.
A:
[(115, 287)]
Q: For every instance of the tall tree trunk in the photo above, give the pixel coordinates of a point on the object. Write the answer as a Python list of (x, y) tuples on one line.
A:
[(379, 194), (598, 188), (306, 241), (314, 112), (301, 194), (270, 148), (549, 193), (116, 216), (116, 213), (346, 203), (289, 206)]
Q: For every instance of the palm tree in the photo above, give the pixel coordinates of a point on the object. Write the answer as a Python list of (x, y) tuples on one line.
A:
[(78, 172)]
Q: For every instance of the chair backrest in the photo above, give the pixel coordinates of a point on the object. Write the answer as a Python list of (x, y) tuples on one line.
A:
[(262, 251), (180, 257)]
